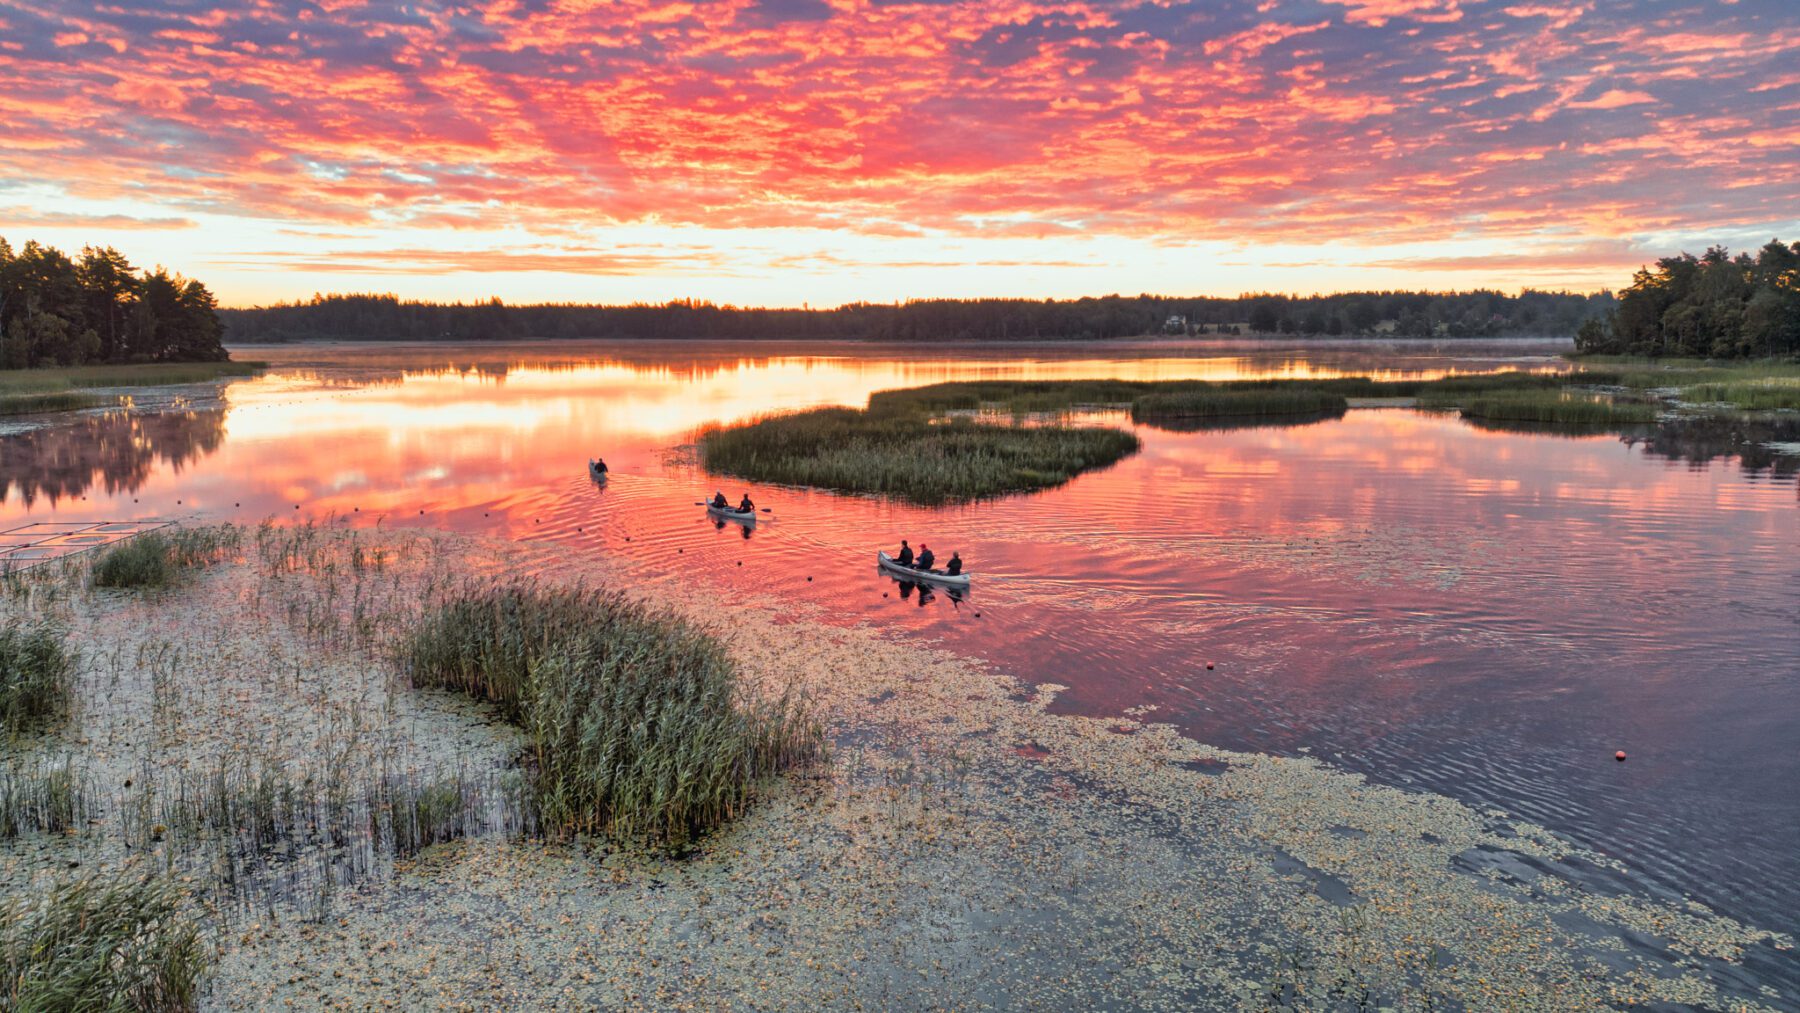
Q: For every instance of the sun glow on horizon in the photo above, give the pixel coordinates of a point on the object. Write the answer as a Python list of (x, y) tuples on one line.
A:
[(804, 152)]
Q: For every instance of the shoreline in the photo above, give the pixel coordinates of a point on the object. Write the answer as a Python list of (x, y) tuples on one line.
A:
[(963, 846)]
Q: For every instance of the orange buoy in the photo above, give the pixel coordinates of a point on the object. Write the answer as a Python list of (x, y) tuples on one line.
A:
[(1619, 756), (1209, 666)]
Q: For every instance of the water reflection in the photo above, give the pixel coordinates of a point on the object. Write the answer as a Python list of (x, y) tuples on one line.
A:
[(1475, 610), (118, 449), (1763, 447)]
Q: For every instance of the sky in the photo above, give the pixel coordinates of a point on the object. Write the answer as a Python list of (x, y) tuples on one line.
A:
[(816, 152)]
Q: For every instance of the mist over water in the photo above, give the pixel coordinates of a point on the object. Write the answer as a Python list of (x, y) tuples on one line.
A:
[(1486, 613)]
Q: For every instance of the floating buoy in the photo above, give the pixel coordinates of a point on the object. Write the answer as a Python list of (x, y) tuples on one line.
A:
[(884, 594), (809, 580), (628, 538), (177, 502), (296, 506), (978, 615), (421, 513), (1619, 756), (740, 562), (1209, 666)]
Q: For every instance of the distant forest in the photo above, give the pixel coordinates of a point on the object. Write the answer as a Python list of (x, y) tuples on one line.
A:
[(55, 311), (1408, 314), (1715, 305)]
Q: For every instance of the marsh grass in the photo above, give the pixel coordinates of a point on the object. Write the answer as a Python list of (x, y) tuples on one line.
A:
[(101, 943), (149, 374), (43, 798), (1553, 406), (55, 401), (1215, 403), (1028, 396), (636, 723), (155, 559), (37, 673), (909, 456), (1775, 394)]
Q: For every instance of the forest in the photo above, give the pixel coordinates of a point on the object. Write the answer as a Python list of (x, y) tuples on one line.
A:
[(58, 311), (1715, 306), (1407, 314)]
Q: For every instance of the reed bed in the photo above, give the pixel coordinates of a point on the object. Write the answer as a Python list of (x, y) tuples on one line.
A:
[(910, 456), (102, 943), (148, 374), (155, 559), (43, 798), (1554, 406), (636, 723), (1026, 396), (1756, 395), (1214, 403), (56, 401), (37, 676)]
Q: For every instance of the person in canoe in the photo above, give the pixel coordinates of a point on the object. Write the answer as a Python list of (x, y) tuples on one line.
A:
[(954, 567), (905, 558), (719, 501), (746, 506), (926, 558)]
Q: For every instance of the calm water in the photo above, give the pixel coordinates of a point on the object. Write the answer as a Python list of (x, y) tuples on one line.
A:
[(1483, 613)]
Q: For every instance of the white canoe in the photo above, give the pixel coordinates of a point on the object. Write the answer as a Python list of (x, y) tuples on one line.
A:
[(595, 473), (888, 564), (731, 515)]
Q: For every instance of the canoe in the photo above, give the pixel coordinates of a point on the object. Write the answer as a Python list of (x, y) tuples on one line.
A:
[(595, 473), (730, 514), (936, 577)]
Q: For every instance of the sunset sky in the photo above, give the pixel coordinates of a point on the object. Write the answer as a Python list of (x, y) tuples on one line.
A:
[(779, 152)]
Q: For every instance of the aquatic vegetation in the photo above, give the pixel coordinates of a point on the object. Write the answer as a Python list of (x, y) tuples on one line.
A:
[(909, 456), (36, 675), (1209, 403), (102, 943), (55, 401), (149, 374), (636, 722), (1764, 395), (48, 799), (155, 558), (1549, 406)]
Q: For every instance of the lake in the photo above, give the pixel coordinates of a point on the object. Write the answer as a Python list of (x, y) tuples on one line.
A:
[(1480, 612)]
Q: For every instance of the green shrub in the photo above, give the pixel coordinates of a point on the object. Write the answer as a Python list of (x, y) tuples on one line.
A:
[(37, 673), (636, 722), (101, 944)]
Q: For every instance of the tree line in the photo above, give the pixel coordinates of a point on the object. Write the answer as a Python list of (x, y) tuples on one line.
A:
[(1352, 314), (1714, 305), (57, 311)]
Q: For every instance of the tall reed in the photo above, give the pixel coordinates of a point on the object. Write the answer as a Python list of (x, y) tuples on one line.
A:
[(154, 559), (1210, 403), (636, 722), (37, 675), (1563, 407), (102, 942)]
